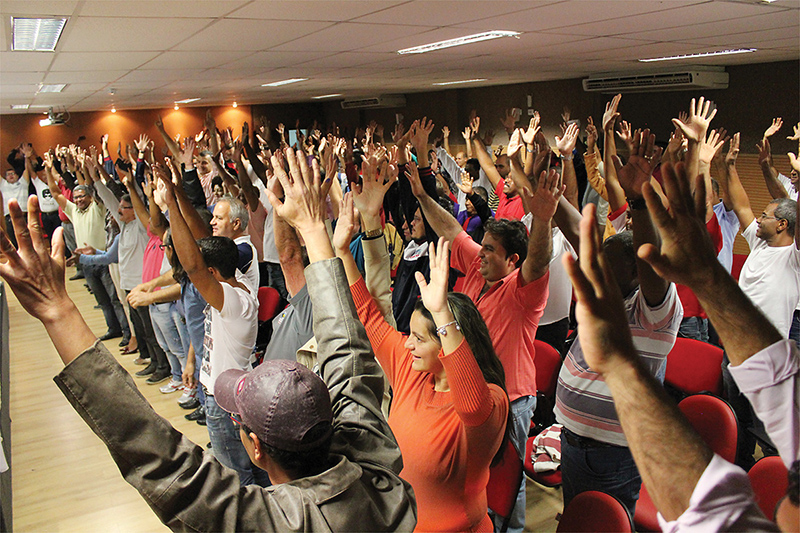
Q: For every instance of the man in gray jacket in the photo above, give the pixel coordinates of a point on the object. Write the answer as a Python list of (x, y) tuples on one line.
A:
[(357, 488)]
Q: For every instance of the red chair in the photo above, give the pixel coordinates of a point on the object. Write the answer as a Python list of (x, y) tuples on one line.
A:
[(694, 367), (548, 364), (714, 419), (268, 300), (547, 479), (595, 511), (504, 480), (769, 479)]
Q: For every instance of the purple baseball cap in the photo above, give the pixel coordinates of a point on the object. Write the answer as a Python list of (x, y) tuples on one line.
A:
[(281, 402)]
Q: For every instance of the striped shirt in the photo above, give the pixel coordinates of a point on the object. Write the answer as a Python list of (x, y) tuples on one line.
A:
[(583, 400)]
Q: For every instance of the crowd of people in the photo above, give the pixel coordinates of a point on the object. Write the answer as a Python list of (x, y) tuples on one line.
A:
[(414, 281)]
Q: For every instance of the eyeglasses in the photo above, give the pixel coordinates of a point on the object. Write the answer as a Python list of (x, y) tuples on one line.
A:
[(126, 207), (763, 216), (79, 197)]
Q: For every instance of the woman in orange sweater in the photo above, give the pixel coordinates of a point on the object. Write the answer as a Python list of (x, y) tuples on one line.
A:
[(449, 409)]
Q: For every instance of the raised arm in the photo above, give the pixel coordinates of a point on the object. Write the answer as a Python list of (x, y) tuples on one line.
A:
[(566, 145), (632, 177), (694, 129), (774, 186), (614, 192), (479, 151), (443, 223), (540, 241), (796, 166), (739, 200), (55, 190)]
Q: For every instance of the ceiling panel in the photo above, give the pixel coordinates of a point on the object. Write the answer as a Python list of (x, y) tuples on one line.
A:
[(444, 12), (238, 35), (79, 61), (25, 61), (40, 8), (305, 10), (193, 60), (160, 9), (348, 36), (90, 34), (85, 75)]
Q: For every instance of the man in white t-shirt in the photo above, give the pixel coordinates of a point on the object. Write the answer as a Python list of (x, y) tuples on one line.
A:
[(13, 187), (230, 328), (770, 277)]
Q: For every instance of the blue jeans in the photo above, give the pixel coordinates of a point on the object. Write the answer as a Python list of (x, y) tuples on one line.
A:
[(608, 469), (521, 413), (99, 280), (194, 305), (694, 327), (170, 330), (227, 445)]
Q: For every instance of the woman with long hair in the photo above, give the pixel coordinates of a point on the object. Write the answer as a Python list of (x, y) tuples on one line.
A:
[(449, 409)]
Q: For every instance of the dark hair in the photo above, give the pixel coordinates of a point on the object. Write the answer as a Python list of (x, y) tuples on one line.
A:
[(178, 272), (475, 332), (216, 180), (793, 489), (481, 191), (220, 253), (786, 209), (300, 464), (511, 234), (473, 168)]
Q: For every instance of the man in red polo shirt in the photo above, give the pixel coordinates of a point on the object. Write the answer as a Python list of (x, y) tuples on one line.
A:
[(507, 278)]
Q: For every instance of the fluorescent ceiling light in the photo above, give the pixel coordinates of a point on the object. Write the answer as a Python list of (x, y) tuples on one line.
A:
[(460, 81), (20, 106), (51, 88), (186, 100), (36, 35), (326, 96), (701, 54), (283, 82), (478, 37)]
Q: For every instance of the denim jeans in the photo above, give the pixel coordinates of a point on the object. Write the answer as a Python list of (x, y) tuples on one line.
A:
[(227, 445), (194, 304), (608, 469), (521, 413), (170, 329), (99, 280), (694, 327)]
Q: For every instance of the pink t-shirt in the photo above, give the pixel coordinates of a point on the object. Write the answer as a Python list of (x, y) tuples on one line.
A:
[(510, 208), (511, 312), (153, 258)]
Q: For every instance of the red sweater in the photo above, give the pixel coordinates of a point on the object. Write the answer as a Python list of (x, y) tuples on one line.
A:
[(447, 439)]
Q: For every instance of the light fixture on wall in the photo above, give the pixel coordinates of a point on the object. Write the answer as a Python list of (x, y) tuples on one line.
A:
[(113, 109), (235, 105), (176, 107)]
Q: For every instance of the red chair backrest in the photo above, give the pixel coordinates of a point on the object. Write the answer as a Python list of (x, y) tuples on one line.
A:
[(694, 366), (268, 300), (769, 479), (714, 419), (738, 263), (504, 480), (548, 364), (595, 511)]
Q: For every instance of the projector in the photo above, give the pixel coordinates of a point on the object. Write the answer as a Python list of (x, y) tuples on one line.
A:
[(53, 119)]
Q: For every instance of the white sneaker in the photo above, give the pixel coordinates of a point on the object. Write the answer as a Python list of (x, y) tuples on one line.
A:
[(172, 386), (187, 396)]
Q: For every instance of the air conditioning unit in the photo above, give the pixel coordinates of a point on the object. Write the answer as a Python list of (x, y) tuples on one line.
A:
[(676, 80), (385, 100)]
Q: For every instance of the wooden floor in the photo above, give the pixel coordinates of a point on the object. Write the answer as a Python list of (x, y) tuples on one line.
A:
[(63, 477)]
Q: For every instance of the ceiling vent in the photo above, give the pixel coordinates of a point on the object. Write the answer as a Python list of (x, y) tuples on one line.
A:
[(386, 100), (678, 80)]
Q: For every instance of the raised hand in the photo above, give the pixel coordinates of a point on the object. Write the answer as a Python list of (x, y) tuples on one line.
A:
[(565, 114), (445, 132), (514, 143), (774, 127), (345, 225), (413, 178), (369, 199), (142, 143), (796, 136), (466, 183), (610, 115), (185, 156), (733, 151), (606, 339), (533, 128), (591, 135), (304, 205), (686, 254), (794, 162), (474, 126), (711, 145), (434, 292), (566, 144), (422, 130), (509, 122), (34, 272), (626, 134), (467, 134), (544, 201), (637, 171), (488, 137), (696, 125)]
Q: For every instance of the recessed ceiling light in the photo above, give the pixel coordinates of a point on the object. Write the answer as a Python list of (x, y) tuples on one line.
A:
[(36, 35), (176, 107), (186, 100), (326, 96), (701, 54), (113, 109), (235, 105), (469, 39), (460, 81), (20, 106), (51, 88), (283, 82)]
